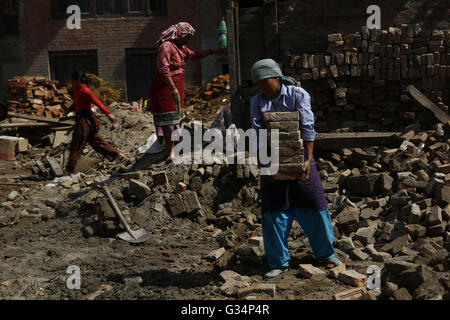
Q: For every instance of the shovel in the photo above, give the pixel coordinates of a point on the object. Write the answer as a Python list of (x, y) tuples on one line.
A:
[(138, 236)]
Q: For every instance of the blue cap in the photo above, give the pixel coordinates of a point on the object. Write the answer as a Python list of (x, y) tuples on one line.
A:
[(265, 69)]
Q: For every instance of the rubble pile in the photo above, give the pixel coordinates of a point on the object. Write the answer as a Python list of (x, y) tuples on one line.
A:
[(360, 83), (203, 105), (37, 95), (219, 86)]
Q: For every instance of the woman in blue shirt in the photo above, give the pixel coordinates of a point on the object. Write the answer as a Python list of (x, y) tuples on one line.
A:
[(303, 199)]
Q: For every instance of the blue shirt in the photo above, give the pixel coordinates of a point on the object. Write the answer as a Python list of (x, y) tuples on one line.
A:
[(291, 98)]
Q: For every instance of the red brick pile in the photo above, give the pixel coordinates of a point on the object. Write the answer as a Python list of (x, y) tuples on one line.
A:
[(360, 82), (37, 95), (219, 86)]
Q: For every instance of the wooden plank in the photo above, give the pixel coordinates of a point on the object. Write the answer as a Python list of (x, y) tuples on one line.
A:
[(427, 103), (23, 124), (42, 119), (334, 141)]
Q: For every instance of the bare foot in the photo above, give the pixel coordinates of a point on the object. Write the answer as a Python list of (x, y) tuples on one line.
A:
[(120, 157)]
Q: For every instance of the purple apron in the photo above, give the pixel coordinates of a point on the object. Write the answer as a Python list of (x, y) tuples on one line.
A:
[(283, 195)]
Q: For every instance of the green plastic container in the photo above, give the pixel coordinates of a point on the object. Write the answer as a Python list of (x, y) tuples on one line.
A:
[(223, 35)]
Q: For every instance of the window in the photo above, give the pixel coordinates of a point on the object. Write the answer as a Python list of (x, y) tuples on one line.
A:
[(9, 17), (158, 7), (110, 7), (62, 63), (135, 6), (59, 7)]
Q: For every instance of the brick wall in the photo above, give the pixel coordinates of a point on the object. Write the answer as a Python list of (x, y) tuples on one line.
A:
[(108, 35), (305, 25)]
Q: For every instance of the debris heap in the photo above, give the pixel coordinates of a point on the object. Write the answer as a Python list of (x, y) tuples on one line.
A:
[(37, 95)]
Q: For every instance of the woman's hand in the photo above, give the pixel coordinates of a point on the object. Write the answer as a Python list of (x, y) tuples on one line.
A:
[(112, 117), (307, 170), (176, 98)]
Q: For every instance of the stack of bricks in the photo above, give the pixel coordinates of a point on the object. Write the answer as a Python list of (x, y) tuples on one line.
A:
[(38, 96), (290, 144), (359, 84)]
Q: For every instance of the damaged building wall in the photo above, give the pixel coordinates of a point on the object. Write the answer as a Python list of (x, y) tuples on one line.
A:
[(106, 38)]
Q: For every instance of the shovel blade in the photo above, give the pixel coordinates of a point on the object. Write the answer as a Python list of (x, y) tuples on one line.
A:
[(140, 236)]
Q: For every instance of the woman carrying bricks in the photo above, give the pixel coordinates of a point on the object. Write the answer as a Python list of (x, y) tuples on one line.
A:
[(86, 124), (302, 199), (167, 89)]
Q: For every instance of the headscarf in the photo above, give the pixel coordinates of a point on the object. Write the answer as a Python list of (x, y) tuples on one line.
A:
[(265, 69), (176, 32)]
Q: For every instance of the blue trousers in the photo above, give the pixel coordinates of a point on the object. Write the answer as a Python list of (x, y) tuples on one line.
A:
[(276, 227)]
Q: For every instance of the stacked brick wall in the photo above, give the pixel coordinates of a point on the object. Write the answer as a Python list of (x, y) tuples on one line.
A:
[(359, 82)]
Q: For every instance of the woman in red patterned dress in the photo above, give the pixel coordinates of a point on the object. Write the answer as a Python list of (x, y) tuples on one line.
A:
[(167, 89)]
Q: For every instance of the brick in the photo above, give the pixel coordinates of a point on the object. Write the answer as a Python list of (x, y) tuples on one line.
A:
[(215, 254), (358, 254), (139, 189), (365, 235), (402, 294), (381, 256), (181, 187), (284, 125), (334, 272), (309, 271), (415, 230), (281, 116), (176, 205), (159, 178), (230, 275), (395, 246), (256, 241), (133, 175), (191, 202), (353, 278), (351, 294), (434, 217)]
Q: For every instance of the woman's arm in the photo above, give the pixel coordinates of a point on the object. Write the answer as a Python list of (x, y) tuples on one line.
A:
[(200, 54), (69, 110), (98, 103)]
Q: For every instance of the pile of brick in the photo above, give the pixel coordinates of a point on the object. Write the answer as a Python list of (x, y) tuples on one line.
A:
[(37, 95), (219, 86), (360, 83), (290, 149)]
